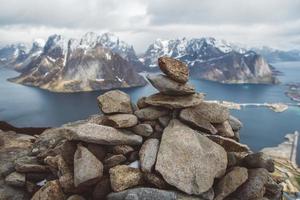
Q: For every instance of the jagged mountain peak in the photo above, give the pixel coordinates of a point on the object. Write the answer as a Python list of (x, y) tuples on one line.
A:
[(56, 46)]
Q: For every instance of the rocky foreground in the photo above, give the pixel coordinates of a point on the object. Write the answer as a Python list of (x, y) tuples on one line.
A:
[(171, 145)]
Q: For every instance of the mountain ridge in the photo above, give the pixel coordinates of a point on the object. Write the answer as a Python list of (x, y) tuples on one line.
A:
[(207, 58)]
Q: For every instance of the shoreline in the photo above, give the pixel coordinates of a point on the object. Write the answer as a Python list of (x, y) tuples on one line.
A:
[(276, 107), (4, 126), (287, 150)]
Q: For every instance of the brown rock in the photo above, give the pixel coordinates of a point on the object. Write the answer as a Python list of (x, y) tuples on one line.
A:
[(16, 179), (64, 172), (148, 153), (259, 160), (254, 187), (87, 168), (180, 151), (174, 102), (143, 129), (123, 177), (98, 134), (98, 151), (155, 180), (192, 118), (120, 120), (122, 149), (230, 182), (133, 156), (102, 189), (224, 129), (228, 144), (151, 113), (174, 69), (235, 123), (30, 164), (76, 197), (168, 86), (115, 101), (64, 148), (50, 191), (114, 160), (141, 103), (213, 112), (164, 121)]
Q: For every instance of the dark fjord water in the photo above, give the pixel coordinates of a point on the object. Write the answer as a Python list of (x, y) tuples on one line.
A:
[(28, 106)]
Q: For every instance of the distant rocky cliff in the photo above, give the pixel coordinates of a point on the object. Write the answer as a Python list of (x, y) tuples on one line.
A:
[(80, 65), (172, 145), (214, 60)]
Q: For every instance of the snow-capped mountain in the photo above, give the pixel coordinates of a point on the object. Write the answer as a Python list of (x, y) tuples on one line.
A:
[(18, 56), (276, 55), (212, 59), (11, 53), (85, 64)]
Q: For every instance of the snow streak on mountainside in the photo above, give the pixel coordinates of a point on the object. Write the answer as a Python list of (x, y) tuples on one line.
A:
[(86, 64), (213, 59)]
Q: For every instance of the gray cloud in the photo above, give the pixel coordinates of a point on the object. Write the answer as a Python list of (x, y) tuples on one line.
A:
[(274, 23), (223, 12)]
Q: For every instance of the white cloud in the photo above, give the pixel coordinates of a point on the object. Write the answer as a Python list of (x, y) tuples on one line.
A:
[(274, 23)]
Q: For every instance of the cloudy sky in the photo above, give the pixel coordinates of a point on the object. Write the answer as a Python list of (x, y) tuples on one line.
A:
[(274, 23)]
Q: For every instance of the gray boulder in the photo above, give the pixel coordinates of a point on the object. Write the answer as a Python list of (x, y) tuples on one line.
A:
[(213, 112), (230, 182), (198, 122), (235, 123), (114, 160), (259, 160), (87, 168), (229, 144), (254, 187), (148, 153), (224, 129), (151, 113), (16, 179), (143, 129), (120, 120), (173, 102), (168, 86), (100, 134), (189, 160), (115, 101)]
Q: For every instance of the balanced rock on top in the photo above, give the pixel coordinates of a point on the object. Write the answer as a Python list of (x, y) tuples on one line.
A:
[(174, 69)]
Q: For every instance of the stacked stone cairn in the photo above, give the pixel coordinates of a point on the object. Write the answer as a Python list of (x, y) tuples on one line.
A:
[(171, 145)]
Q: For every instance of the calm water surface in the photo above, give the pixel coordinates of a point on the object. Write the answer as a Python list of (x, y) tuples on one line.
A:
[(29, 106)]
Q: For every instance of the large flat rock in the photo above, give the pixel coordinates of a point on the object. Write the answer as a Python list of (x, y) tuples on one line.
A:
[(190, 117), (174, 102), (170, 87), (189, 160), (213, 112), (229, 144), (99, 134)]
